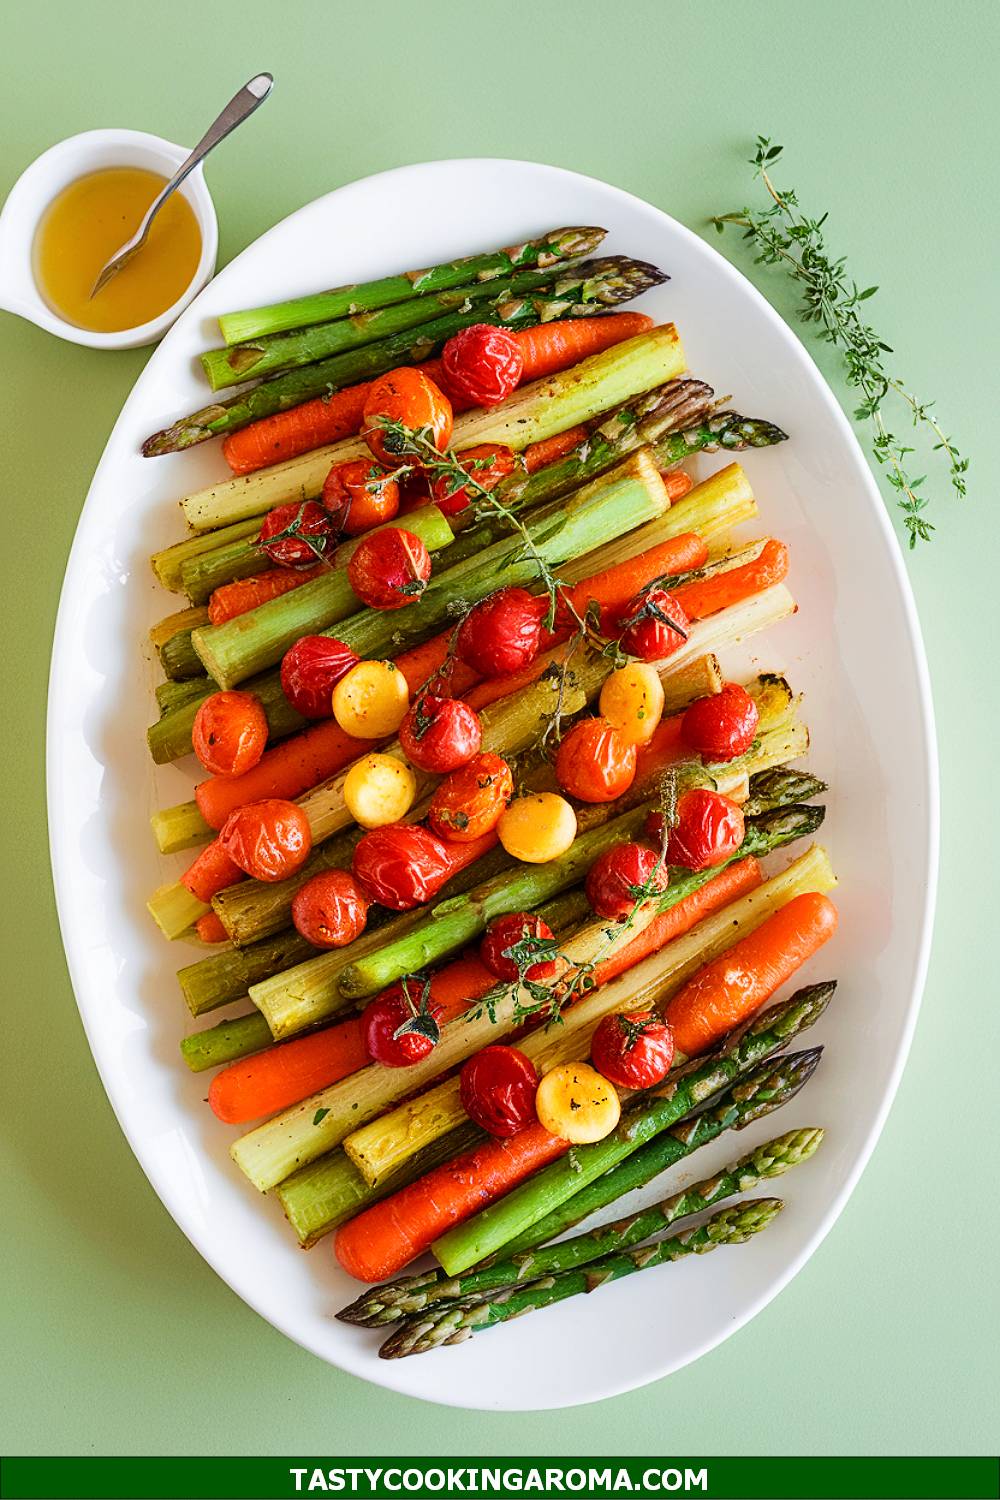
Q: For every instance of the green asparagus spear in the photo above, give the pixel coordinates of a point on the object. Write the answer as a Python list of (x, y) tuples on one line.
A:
[(171, 695), (348, 301), (778, 787), (589, 289), (410, 1295), (237, 1037), (267, 356), (731, 1226), (655, 1111), (178, 658), (759, 1093)]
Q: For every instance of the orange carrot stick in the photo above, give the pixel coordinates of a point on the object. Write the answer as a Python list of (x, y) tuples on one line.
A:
[(728, 991), (550, 347), (678, 484), (547, 349), (232, 599), (384, 1238), (731, 883), (538, 455), (210, 929), (211, 872), (296, 431), (708, 595), (285, 1074)]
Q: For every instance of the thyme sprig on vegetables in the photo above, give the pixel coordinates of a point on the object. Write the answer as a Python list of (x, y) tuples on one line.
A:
[(417, 445), (786, 236)]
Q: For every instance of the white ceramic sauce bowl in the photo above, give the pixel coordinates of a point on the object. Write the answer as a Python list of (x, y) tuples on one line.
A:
[(54, 170)]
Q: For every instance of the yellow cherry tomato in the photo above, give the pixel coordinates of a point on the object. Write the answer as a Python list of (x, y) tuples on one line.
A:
[(574, 1102), (378, 789), (370, 701), (537, 828), (632, 700)]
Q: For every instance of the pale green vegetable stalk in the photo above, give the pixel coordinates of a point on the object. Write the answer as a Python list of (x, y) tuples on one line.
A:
[(536, 411)]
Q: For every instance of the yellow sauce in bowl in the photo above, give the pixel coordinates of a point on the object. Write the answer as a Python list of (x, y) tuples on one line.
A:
[(84, 226)]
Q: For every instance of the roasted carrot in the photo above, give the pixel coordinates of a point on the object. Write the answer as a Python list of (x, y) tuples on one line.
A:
[(678, 483), (708, 595), (547, 349), (616, 586), (538, 455), (211, 872), (210, 929), (290, 1071), (550, 347), (386, 1237), (232, 599), (735, 881), (325, 420), (662, 749), (730, 989)]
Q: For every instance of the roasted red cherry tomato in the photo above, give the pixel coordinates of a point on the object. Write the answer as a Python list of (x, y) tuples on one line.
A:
[(497, 1088), (487, 464), (330, 910), (401, 866), (471, 801), (721, 726), (652, 626), (621, 877), (400, 1026), (482, 364), (359, 495), (297, 535), (502, 633), (269, 840), (505, 933), (708, 830), (410, 399), (229, 733), (389, 569), (595, 763), (440, 734), (311, 669), (634, 1050)]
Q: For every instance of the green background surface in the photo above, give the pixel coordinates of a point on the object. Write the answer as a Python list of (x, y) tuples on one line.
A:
[(117, 1338)]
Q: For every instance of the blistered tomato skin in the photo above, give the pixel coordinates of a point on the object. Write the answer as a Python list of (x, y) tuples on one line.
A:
[(503, 633), (311, 669), (400, 1025), (486, 464), (618, 878), (497, 1088), (410, 398), (722, 726), (379, 790), (312, 538), (634, 1050), (709, 830), (652, 626), (472, 800), (229, 734), (574, 1102), (389, 569), (370, 701), (330, 910), (400, 867), (505, 933), (595, 763), (483, 364), (268, 840), (360, 494), (440, 734)]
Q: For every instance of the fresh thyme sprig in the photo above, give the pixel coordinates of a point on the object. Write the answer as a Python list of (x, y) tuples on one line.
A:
[(784, 235)]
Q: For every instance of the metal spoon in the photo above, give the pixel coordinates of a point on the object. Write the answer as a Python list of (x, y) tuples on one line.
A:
[(239, 108)]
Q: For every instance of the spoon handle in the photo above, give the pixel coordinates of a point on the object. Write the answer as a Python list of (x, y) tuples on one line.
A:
[(239, 108)]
